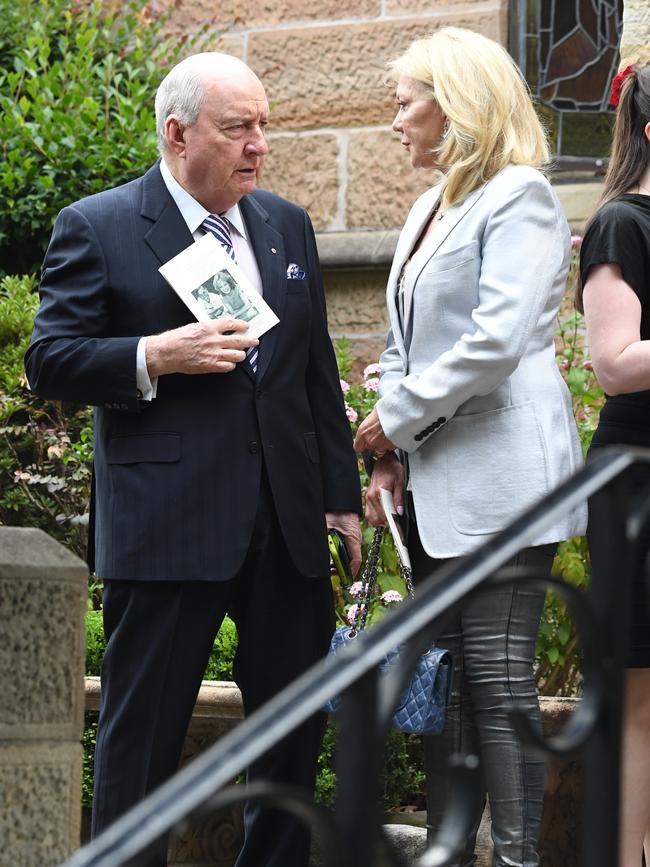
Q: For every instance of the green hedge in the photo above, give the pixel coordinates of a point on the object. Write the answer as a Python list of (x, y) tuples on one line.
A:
[(77, 85)]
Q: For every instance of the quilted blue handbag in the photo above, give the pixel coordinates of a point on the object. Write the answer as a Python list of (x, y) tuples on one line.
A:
[(423, 701)]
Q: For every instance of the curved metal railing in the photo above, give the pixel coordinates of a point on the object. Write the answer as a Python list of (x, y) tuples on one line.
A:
[(351, 834)]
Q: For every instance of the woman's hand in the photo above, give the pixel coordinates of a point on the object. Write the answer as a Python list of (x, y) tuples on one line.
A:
[(371, 436), (389, 474)]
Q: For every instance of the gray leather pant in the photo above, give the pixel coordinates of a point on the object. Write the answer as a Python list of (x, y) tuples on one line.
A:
[(493, 645)]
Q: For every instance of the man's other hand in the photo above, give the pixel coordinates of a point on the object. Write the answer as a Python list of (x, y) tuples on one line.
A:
[(201, 347), (347, 523)]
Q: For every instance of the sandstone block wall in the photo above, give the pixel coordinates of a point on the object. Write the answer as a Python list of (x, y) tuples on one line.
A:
[(42, 603), (635, 44), (323, 67)]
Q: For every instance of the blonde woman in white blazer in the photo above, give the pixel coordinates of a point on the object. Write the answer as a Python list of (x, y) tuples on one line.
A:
[(471, 397)]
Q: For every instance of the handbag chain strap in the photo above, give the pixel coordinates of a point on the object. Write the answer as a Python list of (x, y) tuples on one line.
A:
[(405, 572), (369, 580)]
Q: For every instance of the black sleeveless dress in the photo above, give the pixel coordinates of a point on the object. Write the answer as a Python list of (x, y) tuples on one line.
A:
[(620, 234)]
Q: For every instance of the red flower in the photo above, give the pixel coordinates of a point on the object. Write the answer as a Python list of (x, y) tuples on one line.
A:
[(617, 84)]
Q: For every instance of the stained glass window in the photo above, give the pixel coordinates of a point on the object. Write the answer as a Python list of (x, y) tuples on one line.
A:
[(568, 51)]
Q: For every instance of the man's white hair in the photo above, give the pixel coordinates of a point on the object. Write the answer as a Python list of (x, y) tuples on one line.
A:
[(180, 93)]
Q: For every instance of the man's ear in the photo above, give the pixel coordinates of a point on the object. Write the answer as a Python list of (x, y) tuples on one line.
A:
[(175, 136), (647, 130)]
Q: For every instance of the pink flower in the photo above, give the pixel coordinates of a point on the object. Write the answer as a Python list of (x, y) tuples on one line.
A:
[(352, 414), (371, 370), (355, 589), (588, 364), (563, 364), (391, 596), (372, 384), (345, 386), (576, 240), (352, 614)]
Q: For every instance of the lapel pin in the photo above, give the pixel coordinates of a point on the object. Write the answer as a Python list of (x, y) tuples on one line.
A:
[(273, 250)]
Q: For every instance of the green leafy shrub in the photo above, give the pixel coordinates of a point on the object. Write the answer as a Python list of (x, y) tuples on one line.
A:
[(77, 82), (45, 446), (88, 743), (95, 643), (402, 778)]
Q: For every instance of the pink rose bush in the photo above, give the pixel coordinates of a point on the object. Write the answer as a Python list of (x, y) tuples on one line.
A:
[(359, 393)]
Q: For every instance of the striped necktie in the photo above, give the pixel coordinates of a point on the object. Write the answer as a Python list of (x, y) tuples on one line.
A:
[(218, 226)]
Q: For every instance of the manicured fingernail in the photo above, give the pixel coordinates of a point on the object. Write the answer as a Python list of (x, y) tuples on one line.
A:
[(400, 510)]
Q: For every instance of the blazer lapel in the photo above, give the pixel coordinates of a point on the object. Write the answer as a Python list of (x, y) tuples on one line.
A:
[(444, 228), (268, 246), (412, 230)]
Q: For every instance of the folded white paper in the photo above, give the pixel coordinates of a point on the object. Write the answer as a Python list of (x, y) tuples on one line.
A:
[(391, 515), (213, 286)]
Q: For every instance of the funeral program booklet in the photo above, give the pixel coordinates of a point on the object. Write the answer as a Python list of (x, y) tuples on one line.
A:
[(208, 281)]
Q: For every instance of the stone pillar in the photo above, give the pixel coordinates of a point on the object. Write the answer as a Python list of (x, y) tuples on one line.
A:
[(635, 42), (42, 604)]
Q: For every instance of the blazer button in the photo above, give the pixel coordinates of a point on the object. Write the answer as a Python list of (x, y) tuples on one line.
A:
[(417, 437), (253, 447), (442, 420), (258, 393)]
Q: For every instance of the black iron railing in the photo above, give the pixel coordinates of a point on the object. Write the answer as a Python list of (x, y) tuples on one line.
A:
[(351, 834)]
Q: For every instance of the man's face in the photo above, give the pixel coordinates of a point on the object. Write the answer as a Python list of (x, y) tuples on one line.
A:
[(220, 157)]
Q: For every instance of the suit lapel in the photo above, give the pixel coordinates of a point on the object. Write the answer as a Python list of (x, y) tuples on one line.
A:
[(168, 234), (268, 246)]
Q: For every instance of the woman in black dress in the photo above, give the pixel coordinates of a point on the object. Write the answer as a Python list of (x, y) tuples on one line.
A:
[(615, 296)]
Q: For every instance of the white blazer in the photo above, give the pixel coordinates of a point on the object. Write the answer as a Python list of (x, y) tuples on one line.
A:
[(476, 399)]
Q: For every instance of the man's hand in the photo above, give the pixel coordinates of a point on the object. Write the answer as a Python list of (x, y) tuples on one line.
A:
[(371, 436), (201, 347), (389, 474), (347, 523)]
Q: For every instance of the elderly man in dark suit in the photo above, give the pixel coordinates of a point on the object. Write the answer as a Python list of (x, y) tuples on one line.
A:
[(219, 460)]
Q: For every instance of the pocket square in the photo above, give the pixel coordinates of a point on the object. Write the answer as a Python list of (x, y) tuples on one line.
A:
[(295, 272)]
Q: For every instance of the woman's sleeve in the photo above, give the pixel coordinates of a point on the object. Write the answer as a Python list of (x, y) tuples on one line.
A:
[(615, 238)]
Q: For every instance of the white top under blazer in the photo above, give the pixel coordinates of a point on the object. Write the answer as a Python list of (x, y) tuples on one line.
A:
[(474, 395)]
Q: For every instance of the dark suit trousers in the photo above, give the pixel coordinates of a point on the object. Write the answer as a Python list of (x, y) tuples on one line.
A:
[(159, 636)]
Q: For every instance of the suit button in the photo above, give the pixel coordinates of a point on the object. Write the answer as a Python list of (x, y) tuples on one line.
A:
[(258, 393), (442, 420), (253, 447), (417, 437)]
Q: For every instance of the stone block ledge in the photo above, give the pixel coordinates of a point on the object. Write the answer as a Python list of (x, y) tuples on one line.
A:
[(217, 699), (357, 249), (221, 699)]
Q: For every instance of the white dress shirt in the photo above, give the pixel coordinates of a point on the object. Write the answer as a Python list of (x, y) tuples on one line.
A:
[(194, 214)]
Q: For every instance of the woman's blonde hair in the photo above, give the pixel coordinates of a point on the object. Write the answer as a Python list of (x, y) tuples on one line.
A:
[(490, 114)]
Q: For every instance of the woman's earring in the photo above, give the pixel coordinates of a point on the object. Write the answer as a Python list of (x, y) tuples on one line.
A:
[(446, 128)]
